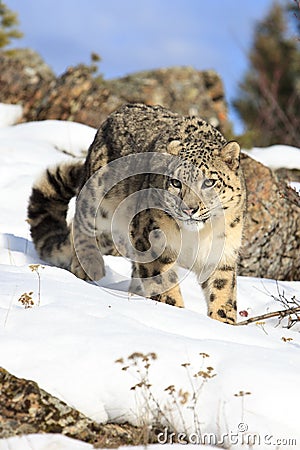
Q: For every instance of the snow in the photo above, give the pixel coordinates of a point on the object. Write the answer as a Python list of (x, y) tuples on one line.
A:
[(59, 442), (10, 114), (277, 156), (43, 442), (70, 341), (70, 137)]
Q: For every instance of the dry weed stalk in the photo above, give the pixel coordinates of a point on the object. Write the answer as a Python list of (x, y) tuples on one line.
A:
[(35, 268), (156, 416)]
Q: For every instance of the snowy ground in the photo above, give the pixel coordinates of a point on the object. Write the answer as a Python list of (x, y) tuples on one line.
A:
[(59, 442), (70, 341), (277, 156)]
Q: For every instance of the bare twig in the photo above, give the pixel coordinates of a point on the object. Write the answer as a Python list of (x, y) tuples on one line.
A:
[(292, 308), (281, 314)]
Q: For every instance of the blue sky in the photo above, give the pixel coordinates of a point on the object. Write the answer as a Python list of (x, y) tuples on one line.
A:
[(133, 35)]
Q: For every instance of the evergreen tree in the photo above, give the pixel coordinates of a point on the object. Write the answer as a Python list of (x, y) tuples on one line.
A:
[(294, 8), (8, 23), (269, 95)]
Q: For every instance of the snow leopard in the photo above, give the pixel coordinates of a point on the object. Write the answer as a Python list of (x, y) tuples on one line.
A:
[(165, 191)]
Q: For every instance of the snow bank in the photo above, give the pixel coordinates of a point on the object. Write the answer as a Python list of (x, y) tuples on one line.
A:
[(43, 442), (59, 442), (70, 342), (70, 137), (277, 156), (10, 114), (26, 150)]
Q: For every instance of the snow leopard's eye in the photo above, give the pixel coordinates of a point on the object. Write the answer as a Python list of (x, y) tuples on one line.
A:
[(176, 183), (208, 183)]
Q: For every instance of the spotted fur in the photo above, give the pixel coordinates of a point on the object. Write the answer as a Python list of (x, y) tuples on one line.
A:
[(194, 219)]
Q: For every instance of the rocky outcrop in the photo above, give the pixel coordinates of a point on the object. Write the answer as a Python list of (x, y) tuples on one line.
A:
[(26, 408), (24, 78), (76, 95), (80, 96), (288, 174), (272, 234), (180, 89)]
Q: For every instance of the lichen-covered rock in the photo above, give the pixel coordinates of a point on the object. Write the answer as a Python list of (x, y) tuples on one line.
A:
[(77, 95), (81, 96), (288, 174), (272, 234), (184, 90), (24, 77), (26, 409)]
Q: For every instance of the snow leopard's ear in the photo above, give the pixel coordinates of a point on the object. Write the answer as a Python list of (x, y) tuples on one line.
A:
[(230, 154), (174, 147)]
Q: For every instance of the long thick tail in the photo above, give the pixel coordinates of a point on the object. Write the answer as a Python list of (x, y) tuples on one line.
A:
[(47, 212)]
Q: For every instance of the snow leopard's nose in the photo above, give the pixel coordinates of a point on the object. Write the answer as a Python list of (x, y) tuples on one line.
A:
[(190, 211)]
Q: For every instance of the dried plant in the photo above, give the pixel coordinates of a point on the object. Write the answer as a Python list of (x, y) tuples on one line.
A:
[(35, 268), (158, 415), (26, 300), (242, 395)]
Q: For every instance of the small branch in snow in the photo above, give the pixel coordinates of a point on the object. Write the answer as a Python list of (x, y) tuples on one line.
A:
[(292, 309), (281, 314)]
